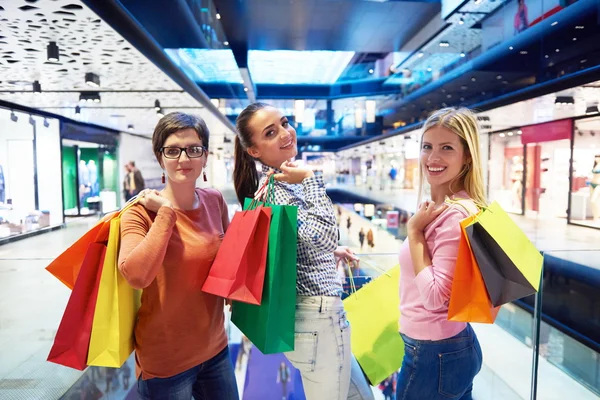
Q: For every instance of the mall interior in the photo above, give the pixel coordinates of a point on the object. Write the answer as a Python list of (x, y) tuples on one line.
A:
[(83, 84)]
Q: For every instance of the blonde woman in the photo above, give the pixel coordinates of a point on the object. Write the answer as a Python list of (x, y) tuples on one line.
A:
[(441, 357)]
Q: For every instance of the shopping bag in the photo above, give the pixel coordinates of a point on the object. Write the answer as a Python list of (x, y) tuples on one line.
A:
[(111, 340), (373, 312), (238, 271), (510, 264), (270, 326), (71, 343), (469, 299), (66, 266)]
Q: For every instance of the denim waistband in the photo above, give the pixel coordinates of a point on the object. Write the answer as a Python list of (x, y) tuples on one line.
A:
[(465, 333), (321, 304)]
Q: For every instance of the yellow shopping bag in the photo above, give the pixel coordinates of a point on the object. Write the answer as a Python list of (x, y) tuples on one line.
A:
[(510, 264), (373, 312), (111, 341)]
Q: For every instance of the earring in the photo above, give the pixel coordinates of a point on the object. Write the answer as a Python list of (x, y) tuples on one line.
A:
[(205, 180), (163, 178)]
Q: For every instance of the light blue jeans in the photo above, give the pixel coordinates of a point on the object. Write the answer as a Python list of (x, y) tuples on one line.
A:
[(322, 351)]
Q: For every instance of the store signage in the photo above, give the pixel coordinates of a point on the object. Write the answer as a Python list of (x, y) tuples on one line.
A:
[(547, 132), (392, 219)]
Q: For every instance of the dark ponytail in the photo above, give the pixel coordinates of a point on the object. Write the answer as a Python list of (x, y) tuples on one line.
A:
[(245, 174)]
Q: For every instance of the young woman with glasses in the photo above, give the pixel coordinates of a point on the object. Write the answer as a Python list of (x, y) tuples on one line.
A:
[(168, 243)]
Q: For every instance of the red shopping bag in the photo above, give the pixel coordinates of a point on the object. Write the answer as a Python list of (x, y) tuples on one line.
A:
[(72, 339), (66, 266), (238, 272)]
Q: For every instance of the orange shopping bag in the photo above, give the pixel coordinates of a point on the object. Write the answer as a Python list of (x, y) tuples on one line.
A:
[(469, 299), (66, 266)]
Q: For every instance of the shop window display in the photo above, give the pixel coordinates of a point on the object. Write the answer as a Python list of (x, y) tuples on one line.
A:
[(506, 167), (585, 183), (89, 177), (29, 154)]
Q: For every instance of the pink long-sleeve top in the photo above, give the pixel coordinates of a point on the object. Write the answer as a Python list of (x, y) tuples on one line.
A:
[(424, 298)]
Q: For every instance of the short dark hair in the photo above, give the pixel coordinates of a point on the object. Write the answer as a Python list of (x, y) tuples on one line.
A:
[(177, 121)]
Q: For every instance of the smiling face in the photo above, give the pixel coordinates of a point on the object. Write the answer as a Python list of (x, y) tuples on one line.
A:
[(273, 138), (443, 157), (183, 169)]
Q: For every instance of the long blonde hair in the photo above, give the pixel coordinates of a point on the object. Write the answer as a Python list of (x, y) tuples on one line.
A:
[(462, 122)]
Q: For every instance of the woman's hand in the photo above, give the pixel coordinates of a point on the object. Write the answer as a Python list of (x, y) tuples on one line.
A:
[(425, 215), (292, 173), (153, 200), (344, 253)]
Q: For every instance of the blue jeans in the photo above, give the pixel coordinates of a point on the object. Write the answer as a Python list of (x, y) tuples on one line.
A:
[(213, 379), (441, 369)]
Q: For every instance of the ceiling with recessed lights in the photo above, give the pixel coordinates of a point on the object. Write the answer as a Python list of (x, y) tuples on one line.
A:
[(129, 82)]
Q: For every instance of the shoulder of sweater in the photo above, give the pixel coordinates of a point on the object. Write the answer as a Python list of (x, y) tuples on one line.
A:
[(210, 193), (452, 215)]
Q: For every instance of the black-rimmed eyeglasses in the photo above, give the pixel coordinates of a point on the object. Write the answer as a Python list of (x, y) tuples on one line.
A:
[(175, 152)]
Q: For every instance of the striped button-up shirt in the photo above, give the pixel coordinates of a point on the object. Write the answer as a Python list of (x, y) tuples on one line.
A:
[(317, 235)]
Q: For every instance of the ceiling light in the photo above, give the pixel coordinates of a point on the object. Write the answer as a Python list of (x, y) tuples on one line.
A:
[(46, 123), (510, 48), (499, 77), (160, 113), (444, 44), (510, 133), (574, 39), (502, 135), (156, 105), (226, 43), (37, 87), (557, 50), (523, 52), (92, 79), (52, 52), (519, 132), (371, 71), (591, 109), (478, 1), (579, 27), (564, 100), (461, 21), (245, 89), (130, 128), (92, 97), (473, 79), (554, 23), (13, 116), (483, 93), (421, 54), (547, 56), (583, 61), (463, 55), (462, 99), (464, 87), (218, 16), (429, 69)]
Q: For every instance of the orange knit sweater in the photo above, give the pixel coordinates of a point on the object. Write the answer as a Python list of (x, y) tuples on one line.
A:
[(168, 254)]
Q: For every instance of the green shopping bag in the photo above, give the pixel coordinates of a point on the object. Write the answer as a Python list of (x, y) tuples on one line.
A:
[(373, 312), (270, 326)]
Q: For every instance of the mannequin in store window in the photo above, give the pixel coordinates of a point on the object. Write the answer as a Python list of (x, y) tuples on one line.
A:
[(595, 188)]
